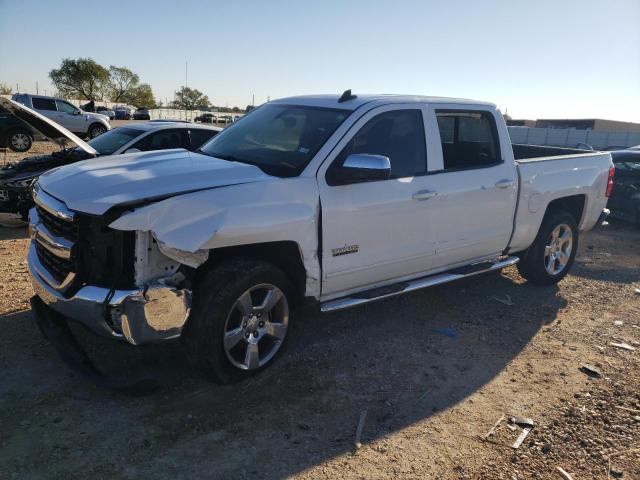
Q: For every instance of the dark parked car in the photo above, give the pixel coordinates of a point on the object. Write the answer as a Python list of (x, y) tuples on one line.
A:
[(14, 133), (123, 113), (142, 113), (624, 202), (206, 118), (16, 179)]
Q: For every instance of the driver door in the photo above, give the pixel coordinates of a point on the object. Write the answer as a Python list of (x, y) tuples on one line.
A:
[(377, 232), (69, 119)]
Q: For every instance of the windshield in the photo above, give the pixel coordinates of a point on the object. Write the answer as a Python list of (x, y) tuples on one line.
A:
[(279, 139), (110, 141)]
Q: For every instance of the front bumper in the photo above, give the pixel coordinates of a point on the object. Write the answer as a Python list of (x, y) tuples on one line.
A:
[(152, 314)]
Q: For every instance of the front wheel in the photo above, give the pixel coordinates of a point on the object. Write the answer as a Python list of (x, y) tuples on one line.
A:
[(20, 141), (96, 130), (239, 320), (552, 253)]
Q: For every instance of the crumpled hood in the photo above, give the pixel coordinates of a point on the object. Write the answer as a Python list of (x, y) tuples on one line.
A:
[(94, 186)]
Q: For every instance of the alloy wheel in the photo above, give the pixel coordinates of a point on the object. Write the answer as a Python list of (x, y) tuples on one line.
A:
[(557, 252), (256, 326)]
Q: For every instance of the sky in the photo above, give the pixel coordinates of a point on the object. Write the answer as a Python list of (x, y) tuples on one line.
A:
[(534, 59)]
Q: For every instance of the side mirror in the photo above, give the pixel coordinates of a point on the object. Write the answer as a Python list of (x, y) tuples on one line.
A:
[(77, 112), (132, 150), (362, 167)]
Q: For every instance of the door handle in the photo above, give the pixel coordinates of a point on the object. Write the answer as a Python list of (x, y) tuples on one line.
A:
[(424, 195), (504, 183)]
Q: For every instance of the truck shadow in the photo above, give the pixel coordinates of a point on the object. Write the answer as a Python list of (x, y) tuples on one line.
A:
[(402, 360)]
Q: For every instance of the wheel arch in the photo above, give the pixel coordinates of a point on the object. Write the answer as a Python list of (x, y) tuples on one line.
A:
[(573, 205), (286, 255)]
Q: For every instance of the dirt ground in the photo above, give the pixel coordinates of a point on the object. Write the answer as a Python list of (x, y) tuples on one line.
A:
[(433, 370)]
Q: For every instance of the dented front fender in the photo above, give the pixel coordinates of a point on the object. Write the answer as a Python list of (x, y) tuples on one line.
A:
[(245, 214)]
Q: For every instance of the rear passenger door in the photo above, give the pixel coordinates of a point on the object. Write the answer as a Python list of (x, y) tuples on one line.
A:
[(46, 107), (475, 182)]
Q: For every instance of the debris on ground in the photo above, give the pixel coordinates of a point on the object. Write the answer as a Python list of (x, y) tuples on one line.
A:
[(492, 430), (632, 410), (563, 473), (521, 437), (505, 301), (522, 421), (624, 346), (590, 370), (363, 417), (447, 332)]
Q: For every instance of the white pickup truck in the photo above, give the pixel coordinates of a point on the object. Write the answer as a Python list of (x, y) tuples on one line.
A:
[(339, 199)]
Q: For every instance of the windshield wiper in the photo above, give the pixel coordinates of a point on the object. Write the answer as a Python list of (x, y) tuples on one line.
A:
[(230, 158)]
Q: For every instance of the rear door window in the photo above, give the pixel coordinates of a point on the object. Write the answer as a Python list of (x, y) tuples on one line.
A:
[(44, 104), (469, 139)]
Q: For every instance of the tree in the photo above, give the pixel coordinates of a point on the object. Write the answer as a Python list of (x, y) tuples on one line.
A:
[(82, 78), (190, 99), (122, 81), (140, 96), (5, 89)]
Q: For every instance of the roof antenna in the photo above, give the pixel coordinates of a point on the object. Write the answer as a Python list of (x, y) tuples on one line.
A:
[(346, 96)]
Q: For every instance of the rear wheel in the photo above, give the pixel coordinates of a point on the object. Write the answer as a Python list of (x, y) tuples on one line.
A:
[(20, 141), (239, 320), (553, 251)]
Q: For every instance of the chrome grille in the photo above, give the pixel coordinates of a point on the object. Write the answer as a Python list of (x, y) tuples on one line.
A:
[(54, 232), (58, 226), (59, 268)]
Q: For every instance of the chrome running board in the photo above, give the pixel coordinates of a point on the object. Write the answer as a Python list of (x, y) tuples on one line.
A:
[(381, 293)]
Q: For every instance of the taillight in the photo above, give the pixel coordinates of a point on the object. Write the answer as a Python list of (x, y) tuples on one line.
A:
[(612, 173)]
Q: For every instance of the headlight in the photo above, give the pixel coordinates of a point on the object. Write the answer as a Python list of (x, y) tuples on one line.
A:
[(23, 183)]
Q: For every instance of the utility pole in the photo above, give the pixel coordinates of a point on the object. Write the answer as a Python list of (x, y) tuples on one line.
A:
[(186, 71), (37, 90), (253, 99)]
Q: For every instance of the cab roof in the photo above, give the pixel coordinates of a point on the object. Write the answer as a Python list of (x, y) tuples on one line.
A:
[(333, 101)]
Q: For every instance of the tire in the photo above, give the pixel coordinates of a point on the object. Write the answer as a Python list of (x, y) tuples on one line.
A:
[(547, 261), (217, 315), (19, 140), (96, 129)]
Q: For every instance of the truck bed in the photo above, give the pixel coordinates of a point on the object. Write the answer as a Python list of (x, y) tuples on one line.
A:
[(534, 152), (546, 174)]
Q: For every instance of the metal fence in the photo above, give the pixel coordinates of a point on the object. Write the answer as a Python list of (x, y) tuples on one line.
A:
[(570, 137), (190, 115)]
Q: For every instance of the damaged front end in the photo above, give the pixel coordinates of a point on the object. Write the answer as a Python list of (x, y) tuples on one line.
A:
[(118, 284)]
